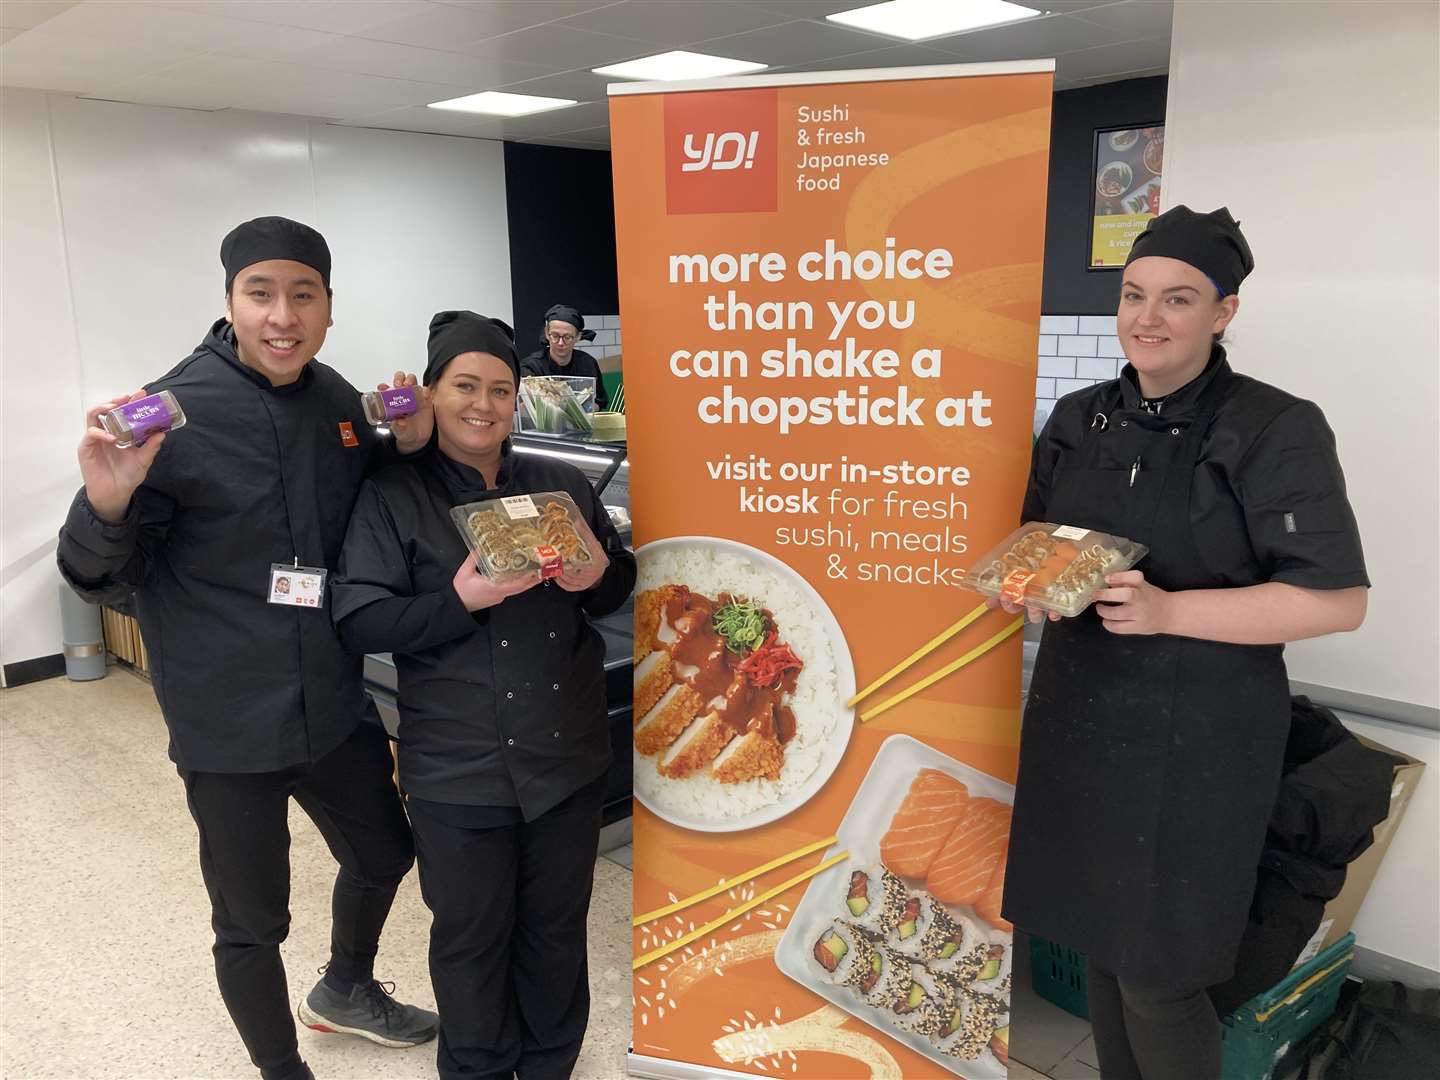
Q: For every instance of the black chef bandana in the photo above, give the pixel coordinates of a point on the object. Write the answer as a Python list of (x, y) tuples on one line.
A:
[(1212, 243), (567, 314), (273, 238), (456, 332)]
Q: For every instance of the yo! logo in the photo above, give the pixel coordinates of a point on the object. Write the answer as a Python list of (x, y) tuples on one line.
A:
[(720, 151), (717, 153)]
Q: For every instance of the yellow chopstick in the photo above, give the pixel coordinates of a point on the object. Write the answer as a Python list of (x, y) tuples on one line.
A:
[(650, 916), (735, 913), (948, 669), (920, 653)]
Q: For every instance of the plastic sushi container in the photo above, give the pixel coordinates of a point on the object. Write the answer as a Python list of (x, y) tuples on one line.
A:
[(523, 534), (557, 404), (1052, 567)]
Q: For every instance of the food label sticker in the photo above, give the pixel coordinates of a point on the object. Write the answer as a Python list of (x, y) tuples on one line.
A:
[(552, 565), (297, 586), (1013, 587), (146, 416), (519, 507), (1070, 532)]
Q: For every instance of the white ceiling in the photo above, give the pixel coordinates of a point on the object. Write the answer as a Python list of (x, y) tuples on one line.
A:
[(376, 63)]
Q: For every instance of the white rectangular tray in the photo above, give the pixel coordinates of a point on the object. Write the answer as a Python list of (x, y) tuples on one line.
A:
[(899, 759)]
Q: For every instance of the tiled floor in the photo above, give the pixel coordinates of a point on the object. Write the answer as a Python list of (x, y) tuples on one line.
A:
[(106, 924), (106, 969)]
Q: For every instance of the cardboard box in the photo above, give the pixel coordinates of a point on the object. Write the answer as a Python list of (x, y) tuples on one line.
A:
[(1340, 913)]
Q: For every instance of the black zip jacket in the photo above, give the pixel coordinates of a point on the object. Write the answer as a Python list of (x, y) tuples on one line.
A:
[(259, 474), (582, 365), (505, 707)]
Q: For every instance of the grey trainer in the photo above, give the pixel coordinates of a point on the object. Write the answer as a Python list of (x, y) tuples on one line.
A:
[(368, 1011)]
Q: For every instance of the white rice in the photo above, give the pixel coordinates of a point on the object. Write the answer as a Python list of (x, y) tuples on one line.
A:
[(815, 703)]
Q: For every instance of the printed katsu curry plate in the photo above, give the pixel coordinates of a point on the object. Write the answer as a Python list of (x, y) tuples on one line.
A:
[(741, 678)]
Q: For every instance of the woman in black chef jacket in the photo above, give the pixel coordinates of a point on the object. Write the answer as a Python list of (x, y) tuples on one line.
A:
[(1153, 735), (504, 740)]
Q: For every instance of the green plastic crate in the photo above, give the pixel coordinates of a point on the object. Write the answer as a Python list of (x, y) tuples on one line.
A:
[(1258, 1033), (1057, 973), (1255, 1036)]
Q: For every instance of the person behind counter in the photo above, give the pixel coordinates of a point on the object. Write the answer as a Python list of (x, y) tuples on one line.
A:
[(557, 355), (1154, 733), (504, 738), (260, 698)]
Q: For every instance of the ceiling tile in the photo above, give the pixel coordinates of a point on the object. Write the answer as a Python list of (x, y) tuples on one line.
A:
[(1048, 36), (298, 87), (6, 34), (1129, 59), (362, 56), (46, 61), (24, 14), (560, 48), (796, 43), (809, 9), (518, 14), (1134, 18), (582, 85), (333, 16), (671, 25), (130, 21), (433, 121), (891, 57), (447, 26)]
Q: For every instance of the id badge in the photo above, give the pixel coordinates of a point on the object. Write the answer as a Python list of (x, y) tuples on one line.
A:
[(299, 586)]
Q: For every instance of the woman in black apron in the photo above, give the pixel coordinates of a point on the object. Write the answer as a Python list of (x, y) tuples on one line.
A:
[(1153, 735)]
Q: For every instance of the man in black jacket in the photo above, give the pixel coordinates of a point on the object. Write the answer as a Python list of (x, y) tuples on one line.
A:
[(261, 700), (564, 328)]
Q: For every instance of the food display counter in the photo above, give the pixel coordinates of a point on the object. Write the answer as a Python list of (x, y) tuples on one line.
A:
[(608, 469)]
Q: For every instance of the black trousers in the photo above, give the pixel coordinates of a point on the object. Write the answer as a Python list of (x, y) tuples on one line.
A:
[(1152, 1032), (245, 859), (507, 945)]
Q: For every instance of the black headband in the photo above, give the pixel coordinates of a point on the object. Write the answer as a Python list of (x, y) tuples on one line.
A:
[(456, 332), (1212, 243), (273, 238)]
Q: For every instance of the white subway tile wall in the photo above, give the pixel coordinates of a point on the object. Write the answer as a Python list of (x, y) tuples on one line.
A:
[(607, 336), (1074, 351)]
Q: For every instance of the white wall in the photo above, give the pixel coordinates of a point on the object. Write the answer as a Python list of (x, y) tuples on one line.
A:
[(113, 216), (1317, 125)]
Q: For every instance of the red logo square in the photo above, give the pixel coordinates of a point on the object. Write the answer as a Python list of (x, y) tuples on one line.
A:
[(720, 151)]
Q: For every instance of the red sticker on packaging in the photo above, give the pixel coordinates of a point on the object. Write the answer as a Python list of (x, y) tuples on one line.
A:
[(1013, 587), (552, 563)]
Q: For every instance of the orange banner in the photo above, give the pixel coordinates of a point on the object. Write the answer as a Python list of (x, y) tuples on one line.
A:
[(831, 296)]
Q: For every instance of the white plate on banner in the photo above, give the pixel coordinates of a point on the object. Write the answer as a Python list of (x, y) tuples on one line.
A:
[(843, 723), (896, 764)]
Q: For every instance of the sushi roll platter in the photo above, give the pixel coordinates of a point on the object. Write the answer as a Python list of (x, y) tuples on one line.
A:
[(907, 934)]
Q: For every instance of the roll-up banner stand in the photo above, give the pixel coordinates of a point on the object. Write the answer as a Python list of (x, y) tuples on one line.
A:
[(831, 292)]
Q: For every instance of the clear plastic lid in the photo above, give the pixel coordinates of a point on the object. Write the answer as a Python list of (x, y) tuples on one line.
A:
[(519, 535), (1052, 567), (557, 404)]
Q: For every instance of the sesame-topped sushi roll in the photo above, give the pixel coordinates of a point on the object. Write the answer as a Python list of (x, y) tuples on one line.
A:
[(962, 969), (940, 935), (928, 1005), (877, 899), (893, 986), (948, 936), (968, 1031), (847, 956), (994, 975)]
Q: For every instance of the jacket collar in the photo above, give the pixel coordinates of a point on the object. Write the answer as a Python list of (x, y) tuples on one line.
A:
[(1182, 400), (221, 341), (466, 484)]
